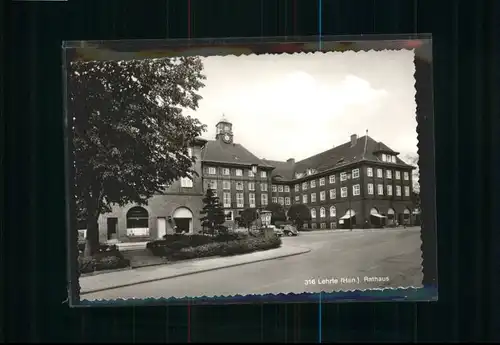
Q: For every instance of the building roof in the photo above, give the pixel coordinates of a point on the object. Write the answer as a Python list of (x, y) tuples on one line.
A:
[(217, 151), (335, 157)]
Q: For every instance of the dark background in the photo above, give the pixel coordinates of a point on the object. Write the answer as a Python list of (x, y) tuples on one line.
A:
[(33, 231)]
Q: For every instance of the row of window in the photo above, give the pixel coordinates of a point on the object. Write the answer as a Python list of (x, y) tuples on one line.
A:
[(333, 225), (356, 190), (240, 199), (226, 185), (282, 200), (237, 172), (355, 173)]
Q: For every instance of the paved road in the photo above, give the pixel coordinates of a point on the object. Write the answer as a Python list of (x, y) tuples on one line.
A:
[(338, 261)]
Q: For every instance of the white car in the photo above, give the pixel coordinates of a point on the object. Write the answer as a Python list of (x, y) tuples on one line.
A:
[(276, 230)]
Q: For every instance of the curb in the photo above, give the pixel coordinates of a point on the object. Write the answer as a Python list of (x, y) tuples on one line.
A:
[(305, 251)]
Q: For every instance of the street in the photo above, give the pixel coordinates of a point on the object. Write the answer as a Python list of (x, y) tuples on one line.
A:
[(341, 260)]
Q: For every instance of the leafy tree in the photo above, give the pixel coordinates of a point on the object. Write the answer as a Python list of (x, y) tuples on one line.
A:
[(278, 212), (130, 137), (213, 213), (298, 214), (248, 216)]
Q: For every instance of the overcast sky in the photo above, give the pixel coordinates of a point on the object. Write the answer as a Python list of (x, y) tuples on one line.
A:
[(295, 106)]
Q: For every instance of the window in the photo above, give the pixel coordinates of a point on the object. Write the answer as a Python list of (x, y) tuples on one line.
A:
[(275, 188), (211, 171), (239, 185), (313, 197), (393, 158), (304, 199), (227, 199), (313, 226), (225, 171), (331, 178), (251, 185), (356, 189), (406, 176), (322, 196), (287, 189), (398, 190), (251, 173), (263, 187), (333, 193), (384, 157), (212, 184), (304, 226), (186, 182), (251, 199), (297, 198), (343, 176), (407, 191), (397, 175), (333, 211), (322, 181), (226, 184), (297, 187), (389, 189), (369, 172), (343, 192), (388, 174), (323, 225), (239, 200), (281, 200), (333, 225), (280, 189), (380, 189), (287, 201), (274, 199), (355, 173), (263, 174), (313, 183), (304, 186), (313, 213), (229, 215), (263, 199), (239, 172), (370, 188), (322, 212)]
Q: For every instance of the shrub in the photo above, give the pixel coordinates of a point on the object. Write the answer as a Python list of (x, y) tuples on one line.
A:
[(102, 247), (106, 259)]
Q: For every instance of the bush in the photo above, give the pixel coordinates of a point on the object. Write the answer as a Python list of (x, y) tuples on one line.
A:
[(234, 247), (106, 259), (102, 247)]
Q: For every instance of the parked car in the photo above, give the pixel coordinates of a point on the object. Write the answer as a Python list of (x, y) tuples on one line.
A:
[(277, 231), (289, 230)]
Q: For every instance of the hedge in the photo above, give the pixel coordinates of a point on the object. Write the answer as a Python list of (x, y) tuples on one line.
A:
[(108, 257), (218, 247)]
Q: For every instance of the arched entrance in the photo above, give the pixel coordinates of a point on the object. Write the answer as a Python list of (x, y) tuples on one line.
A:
[(376, 219), (406, 216), (137, 222), (183, 220), (391, 217), (348, 220), (333, 217)]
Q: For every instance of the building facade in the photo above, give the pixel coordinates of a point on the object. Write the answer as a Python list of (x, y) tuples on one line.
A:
[(360, 183)]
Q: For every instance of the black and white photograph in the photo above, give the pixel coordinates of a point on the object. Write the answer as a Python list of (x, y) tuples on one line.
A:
[(245, 174)]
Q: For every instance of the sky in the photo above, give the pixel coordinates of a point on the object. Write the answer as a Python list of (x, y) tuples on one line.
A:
[(297, 105)]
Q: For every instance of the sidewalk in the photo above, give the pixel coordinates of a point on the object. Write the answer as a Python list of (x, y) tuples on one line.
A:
[(124, 278), (329, 231)]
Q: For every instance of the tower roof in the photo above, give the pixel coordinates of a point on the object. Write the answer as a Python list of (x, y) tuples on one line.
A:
[(223, 119)]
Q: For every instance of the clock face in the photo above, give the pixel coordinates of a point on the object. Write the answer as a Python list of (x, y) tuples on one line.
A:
[(226, 138)]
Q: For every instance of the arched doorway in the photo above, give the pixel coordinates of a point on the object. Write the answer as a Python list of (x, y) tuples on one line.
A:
[(376, 219), (333, 217), (137, 222), (348, 220), (406, 216), (391, 217), (183, 220)]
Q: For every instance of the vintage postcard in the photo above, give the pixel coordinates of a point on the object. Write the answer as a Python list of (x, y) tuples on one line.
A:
[(227, 175)]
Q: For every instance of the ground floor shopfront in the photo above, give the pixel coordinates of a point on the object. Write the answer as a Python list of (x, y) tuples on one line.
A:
[(362, 214)]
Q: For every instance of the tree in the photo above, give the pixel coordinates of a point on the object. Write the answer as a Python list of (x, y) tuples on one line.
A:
[(248, 216), (130, 137), (278, 212), (213, 213), (298, 214), (413, 160)]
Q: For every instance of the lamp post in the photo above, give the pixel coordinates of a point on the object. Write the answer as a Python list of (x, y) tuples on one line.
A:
[(349, 186)]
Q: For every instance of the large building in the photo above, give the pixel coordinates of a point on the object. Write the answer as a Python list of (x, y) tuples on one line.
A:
[(359, 183)]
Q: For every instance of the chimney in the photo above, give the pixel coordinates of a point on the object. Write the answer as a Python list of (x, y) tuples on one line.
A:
[(291, 160), (354, 140)]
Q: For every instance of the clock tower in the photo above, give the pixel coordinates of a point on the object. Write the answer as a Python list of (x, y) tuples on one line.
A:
[(224, 131)]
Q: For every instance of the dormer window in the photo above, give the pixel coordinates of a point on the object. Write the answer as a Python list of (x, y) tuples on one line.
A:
[(384, 157)]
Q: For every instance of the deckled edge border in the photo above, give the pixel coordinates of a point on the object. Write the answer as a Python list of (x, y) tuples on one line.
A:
[(125, 50)]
